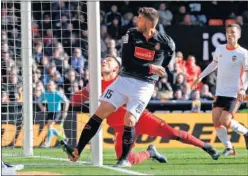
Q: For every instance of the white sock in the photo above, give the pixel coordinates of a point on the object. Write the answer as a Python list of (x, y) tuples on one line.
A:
[(238, 128), (222, 135)]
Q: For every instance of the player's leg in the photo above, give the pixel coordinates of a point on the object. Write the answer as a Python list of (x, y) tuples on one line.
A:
[(225, 120), (158, 127), (110, 101), (221, 130), (133, 158), (137, 157), (232, 107), (138, 101)]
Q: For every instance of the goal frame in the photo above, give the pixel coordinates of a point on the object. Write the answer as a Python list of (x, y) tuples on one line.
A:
[(93, 11)]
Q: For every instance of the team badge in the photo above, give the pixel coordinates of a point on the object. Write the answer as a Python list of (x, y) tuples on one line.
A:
[(234, 58)]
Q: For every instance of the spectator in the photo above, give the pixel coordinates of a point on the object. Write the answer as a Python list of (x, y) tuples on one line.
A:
[(114, 29), (46, 23), (110, 16), (84, 43), (186, 92), (57, 60), (66, 66), (58, 79), (239, 20), (7, 63), (196, 103), (48, 37), (38, 54), (165, 90), (180, 82), (53, 75), (205, 94), (37, 93), (5, 97), (19, 94), (155, 95), (180, 61), (179, 15), (127, 18), (77, 61), (4, 37), (44, 67), (187, 20), (112, 48), (192, 70), (69, 81), (40, 86), (178, 95), (165, 15), (12, 87)]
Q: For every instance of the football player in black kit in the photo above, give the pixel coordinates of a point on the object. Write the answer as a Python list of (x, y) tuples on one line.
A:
[(145, 54)]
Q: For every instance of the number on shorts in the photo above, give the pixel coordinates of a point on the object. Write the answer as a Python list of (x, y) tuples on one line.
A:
[(108, 94)]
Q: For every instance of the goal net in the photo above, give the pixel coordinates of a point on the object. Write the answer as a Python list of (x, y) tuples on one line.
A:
[(59, 45)]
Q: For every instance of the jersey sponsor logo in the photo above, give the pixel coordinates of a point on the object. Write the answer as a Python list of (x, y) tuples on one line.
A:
[(144, 54), (234, 58)]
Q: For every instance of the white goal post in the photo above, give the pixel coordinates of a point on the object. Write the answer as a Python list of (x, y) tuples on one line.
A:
[(93, 12)]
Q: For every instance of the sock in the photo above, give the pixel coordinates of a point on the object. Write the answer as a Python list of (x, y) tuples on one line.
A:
[(49, 135), (128, 140), (88, 132), (238, 128), (139, 157), (222, 135), (187, 138)]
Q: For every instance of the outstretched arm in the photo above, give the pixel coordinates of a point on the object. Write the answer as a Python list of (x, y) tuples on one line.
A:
[(80, 97), (209, 69)]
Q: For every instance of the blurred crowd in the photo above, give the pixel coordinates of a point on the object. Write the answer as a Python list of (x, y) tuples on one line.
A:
[(60, 44)]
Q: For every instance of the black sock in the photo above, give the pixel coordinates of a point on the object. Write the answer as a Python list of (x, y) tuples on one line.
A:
[(127, 141), (88, 132)]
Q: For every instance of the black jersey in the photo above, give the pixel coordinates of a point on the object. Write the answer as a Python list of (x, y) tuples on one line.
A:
[(138, 52)]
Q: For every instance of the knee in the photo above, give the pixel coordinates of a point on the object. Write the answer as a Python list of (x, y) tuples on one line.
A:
[(130, 120), (225, 122), (104, 110)]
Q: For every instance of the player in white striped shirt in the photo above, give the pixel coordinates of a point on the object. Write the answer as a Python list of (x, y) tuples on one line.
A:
[(232, 81)]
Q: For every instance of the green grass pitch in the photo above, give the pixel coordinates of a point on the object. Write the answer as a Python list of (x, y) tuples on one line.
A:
[(181, 162)]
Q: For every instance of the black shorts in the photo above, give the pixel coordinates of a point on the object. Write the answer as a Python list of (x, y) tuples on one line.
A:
[(53, 116), (226, 103)]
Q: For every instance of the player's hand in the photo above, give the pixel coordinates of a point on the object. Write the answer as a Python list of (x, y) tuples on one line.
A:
[(241, 95), (195, 84), (158, 70)]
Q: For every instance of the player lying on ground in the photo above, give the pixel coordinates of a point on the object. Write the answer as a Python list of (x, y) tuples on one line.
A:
[(232, 61), (53, 98), (147, 124)]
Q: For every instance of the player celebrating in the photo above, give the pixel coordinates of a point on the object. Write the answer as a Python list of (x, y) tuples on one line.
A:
[(147, 124), (144, 52), (54, 100), (231, 60)]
